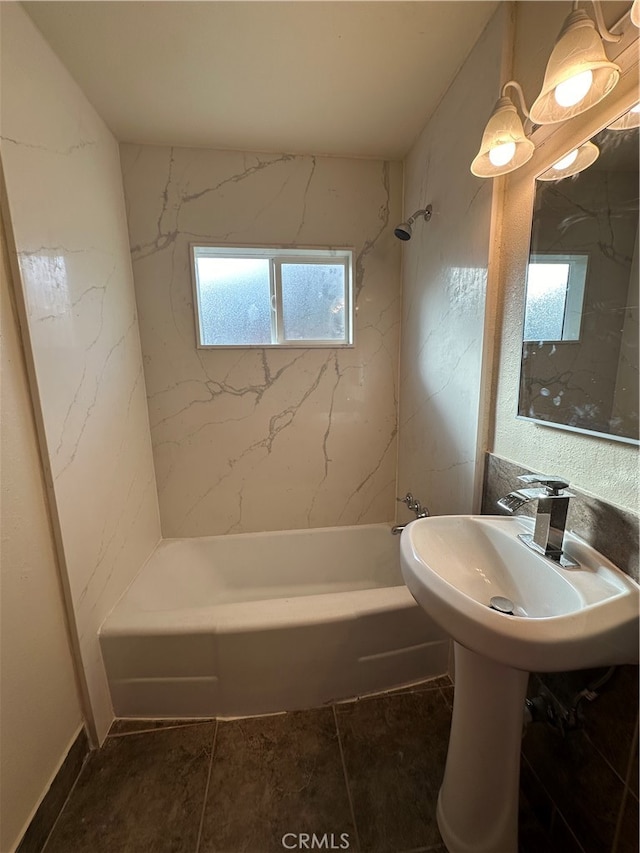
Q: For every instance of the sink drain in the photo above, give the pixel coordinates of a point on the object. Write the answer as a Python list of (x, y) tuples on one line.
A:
[(502, 605)]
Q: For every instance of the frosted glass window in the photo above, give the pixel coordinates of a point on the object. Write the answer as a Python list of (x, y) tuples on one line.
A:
[(281, 297), (546, 297), (235, 301), (555, 295), (313, 301)]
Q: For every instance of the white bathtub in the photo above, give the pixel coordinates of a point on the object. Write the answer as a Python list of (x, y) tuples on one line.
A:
[(261, 622)]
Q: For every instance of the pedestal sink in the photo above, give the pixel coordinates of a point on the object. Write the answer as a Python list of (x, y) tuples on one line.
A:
[(561, 619)]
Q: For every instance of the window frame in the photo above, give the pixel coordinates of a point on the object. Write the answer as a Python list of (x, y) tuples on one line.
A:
[(277, 256), (576, 287)]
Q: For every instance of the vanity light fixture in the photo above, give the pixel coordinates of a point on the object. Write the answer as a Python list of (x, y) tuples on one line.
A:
[(578, 76), (575, 161), (630, 119), (504, 145), (578, 73), (635, 13)]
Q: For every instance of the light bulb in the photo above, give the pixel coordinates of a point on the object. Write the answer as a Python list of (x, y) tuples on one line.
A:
[(572, 91), (567, 161), (571, 164), (502, 154)]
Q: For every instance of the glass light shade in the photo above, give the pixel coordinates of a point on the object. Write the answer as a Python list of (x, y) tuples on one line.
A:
[(628, 120), (569, 165), (567, 161), (503, 135), (635, 13), (578, 50)]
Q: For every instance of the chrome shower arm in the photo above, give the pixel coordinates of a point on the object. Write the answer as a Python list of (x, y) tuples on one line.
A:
[(424, 211)]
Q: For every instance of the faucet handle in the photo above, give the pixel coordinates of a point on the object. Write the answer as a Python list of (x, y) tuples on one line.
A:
[(409, 500), (414, 505), (552, 483)]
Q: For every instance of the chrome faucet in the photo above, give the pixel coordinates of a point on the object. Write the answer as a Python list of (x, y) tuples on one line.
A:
[(413, 505), (551, 516)]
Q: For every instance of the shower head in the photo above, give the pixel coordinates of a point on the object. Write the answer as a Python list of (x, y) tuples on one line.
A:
[(404, 230)]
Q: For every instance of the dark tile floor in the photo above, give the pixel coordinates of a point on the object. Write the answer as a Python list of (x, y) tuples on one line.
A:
[(365, 774)]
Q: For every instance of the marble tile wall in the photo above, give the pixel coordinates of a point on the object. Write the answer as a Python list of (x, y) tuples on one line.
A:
[(40, 711), (64, 189), (265, 439), (444, 290)]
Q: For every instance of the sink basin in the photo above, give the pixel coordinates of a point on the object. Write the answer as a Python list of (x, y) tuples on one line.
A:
[(563, 618), (560, 618)]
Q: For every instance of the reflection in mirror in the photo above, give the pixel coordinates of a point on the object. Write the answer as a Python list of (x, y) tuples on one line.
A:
[(580, 342)]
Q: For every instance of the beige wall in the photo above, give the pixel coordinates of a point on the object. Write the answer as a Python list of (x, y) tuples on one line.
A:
[(445, 269), (601, 467), (67, 212), (264, 439), (39, 707)]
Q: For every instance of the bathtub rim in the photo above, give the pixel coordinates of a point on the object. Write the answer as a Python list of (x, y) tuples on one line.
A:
[(264, 614), (120, 605)]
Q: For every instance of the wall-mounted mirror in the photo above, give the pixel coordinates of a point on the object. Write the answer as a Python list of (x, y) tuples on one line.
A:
[(580, 340)]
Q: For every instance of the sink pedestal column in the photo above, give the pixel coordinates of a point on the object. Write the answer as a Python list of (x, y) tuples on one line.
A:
[(478, 801)]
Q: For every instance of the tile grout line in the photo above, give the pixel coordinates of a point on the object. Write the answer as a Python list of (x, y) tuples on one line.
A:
[(206, 787), (625, 793), (596, 749), (556, 813), (67, 798), (445, 699), (558, 816), (346, 778), (160, 729), (621, 809)]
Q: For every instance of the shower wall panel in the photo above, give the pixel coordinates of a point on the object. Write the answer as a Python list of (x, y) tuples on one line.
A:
[(444, 291), (266, 439), (64, 191)]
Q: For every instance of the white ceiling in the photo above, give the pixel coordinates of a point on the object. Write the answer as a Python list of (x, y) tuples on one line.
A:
[(330, 77)]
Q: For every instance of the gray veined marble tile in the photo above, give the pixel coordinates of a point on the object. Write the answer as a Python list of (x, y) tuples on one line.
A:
[(275, 775), (394, 752), (144, 792), (54, 800), (122, 727), (583, 787), (627, 839), (439, 682)]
